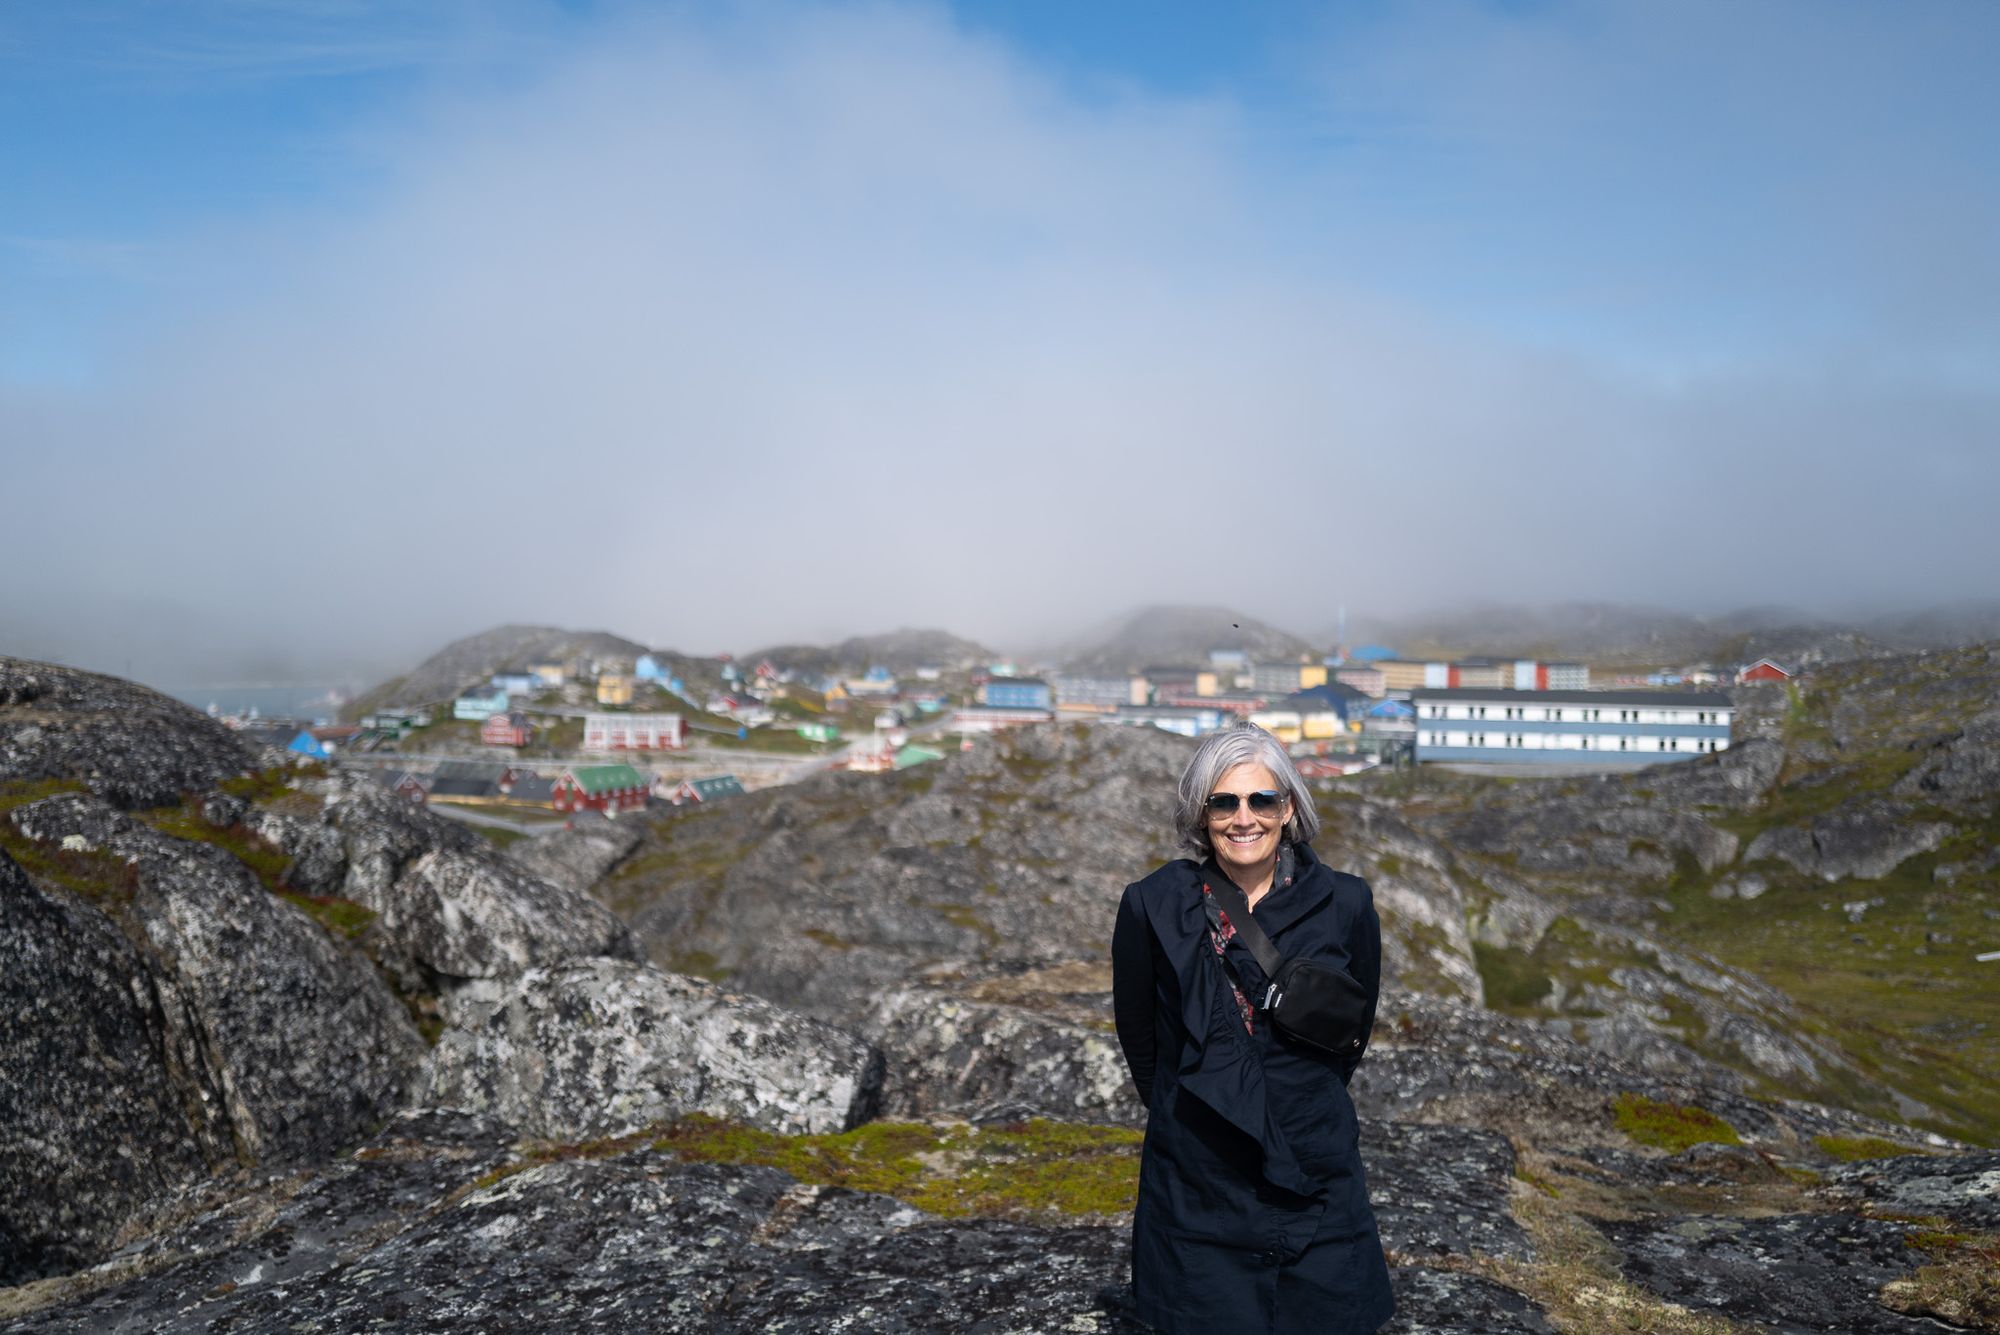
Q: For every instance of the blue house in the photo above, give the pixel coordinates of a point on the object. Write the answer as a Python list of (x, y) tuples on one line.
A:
[(1373, 653), (304, 745), (1337, 697), (1017, 693), (648, 669), (515, 683)]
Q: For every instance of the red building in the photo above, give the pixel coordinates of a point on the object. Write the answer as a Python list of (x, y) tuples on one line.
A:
[(506, 730), (1763, 670), (606, 788)]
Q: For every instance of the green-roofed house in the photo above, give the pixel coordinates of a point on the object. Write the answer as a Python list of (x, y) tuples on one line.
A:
[(606, 788), (916, 755), (705, 790)]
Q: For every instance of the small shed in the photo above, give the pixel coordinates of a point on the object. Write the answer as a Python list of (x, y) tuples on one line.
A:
[(1764, 669)]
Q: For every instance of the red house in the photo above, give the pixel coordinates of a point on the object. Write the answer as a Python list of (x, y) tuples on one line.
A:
[(1764, 670), (606, 788), (506, 730)]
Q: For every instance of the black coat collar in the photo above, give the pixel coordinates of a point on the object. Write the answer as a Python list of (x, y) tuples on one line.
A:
[(1312, 885)]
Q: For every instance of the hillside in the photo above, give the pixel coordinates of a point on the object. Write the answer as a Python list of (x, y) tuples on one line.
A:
[(898, 650), (1178, 635), (1614, 634), (474, 659)]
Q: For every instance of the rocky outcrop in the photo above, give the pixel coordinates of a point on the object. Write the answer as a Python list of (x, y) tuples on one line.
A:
[(235, 1027), (949, 1056), (578, 857), (829, 892), (131, 746), (449, 904), (601, 1047), (1798, 1272), (80, 1031), (436, 1220), (1861, 841), (1963, 768)]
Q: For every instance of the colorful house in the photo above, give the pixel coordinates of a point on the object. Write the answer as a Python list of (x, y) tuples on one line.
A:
[(705, 790), (515, 683), (1764, 669), (634, 732), (648, 669), (606, 788), (478, 708), (306, 748), (1017, 693), (507, 730), (614, 689)]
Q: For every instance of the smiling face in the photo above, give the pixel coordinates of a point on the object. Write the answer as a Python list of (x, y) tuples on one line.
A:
[(1246, 841)]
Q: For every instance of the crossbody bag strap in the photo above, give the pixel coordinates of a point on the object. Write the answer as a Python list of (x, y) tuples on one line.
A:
[(1238, 908)]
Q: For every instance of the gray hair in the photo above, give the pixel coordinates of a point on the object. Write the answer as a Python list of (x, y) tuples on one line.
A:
[(1240, 743)]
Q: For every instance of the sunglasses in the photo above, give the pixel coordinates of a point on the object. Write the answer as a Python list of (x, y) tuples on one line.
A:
[(1267, 802)]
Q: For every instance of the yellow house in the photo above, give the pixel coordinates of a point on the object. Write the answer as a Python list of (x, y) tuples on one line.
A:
[(1205, 684), (613, 689), (1311, 675)]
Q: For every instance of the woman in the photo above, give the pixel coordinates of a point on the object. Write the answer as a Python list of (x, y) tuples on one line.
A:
[(1253, 1212)]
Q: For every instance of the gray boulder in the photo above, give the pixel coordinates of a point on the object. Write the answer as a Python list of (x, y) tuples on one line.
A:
[(604, 1046), (92, 1120), (469, 916), (449, 903), (577, 858), (1794, 1272), (1961, 768), (946, 1055), (1864, 840), (132, 746), (224, 1025)]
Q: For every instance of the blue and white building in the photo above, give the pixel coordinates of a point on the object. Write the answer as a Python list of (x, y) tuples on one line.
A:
[(1017, 693), (1611, 729)]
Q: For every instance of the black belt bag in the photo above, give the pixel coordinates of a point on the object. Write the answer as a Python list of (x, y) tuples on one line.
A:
[(1311, 1003)]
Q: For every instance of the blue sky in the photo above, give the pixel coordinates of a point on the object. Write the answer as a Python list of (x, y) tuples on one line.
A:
[(1610, 278)]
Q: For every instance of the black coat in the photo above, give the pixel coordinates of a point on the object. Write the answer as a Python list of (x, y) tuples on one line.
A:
[(1253, 1209)]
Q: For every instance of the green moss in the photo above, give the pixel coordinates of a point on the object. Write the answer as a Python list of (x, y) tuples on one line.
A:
[(1848, 1149), (1512, 980), (827, 939), (495, 834), (185, 822), (267, 785), (1670, 1126), (696, 964), (1035, 1168), (18, 793), (340, 917), (1390, 864)]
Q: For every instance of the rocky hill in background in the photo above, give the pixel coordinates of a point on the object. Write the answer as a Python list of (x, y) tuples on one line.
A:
[(1696, 1049), (1614, 634), (1177, 636), (474, 659), (897, 650)]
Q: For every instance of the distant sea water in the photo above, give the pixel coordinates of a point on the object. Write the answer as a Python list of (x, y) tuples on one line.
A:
[(311, 701)]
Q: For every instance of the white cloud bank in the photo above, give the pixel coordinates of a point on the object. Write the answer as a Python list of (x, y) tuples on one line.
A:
[(806, 322)]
